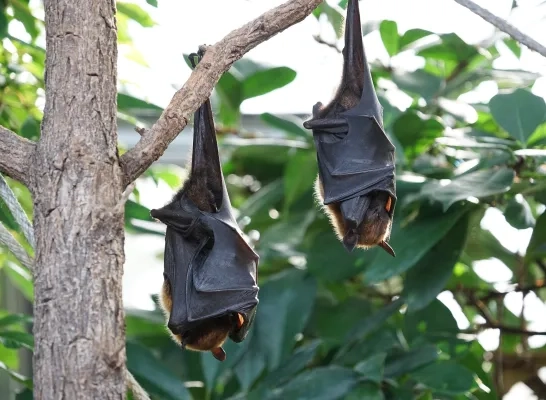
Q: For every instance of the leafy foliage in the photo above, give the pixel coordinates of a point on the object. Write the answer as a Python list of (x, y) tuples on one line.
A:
[(334, 325)]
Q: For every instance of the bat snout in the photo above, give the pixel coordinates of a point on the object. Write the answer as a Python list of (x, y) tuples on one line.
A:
[(175, 328)]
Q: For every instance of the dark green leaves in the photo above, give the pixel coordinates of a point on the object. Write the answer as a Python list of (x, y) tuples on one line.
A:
[(445, 377), (519, 113), (323, 383), (429, 277), (479, 184), (154, 375), (537, 244)]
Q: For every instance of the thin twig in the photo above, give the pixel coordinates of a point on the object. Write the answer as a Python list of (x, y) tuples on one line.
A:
[(16, 210), (198, 87), (504, 26), (7, 239), (16, 155), (138, 392)]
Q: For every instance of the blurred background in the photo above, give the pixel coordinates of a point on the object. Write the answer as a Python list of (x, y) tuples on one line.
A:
[(458, 314)]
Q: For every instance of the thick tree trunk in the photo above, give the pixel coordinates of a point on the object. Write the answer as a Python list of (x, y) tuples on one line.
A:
[(79, 324)]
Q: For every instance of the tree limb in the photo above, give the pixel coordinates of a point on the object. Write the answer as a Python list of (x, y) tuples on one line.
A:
[(504, 26), (218, 59), (16, 153)]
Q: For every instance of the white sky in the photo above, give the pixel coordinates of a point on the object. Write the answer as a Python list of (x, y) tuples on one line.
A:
[(179, 31)]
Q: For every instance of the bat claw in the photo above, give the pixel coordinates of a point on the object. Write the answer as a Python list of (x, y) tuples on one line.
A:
[(219, 353), (385, 246)]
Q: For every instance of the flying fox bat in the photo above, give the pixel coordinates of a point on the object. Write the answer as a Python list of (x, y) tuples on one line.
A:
[(355, 157), (209, 291)]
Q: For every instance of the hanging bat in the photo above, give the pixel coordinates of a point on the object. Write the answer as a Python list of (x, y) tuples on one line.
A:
[(209, 291), (355, 157)]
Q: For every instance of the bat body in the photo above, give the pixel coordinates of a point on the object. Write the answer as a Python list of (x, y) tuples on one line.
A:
[(355, 157), (209, 291)]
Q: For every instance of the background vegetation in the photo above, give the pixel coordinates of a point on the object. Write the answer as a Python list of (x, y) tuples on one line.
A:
[(332, 324)]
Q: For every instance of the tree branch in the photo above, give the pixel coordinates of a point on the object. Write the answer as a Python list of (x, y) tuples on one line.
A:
[(16, 153), (504, 26), (218, 59)]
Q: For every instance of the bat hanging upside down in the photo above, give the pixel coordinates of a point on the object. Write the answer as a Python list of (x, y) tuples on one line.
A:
[(355, 157), (209, 291)]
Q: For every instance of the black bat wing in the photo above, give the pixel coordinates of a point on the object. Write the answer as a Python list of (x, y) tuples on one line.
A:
[(354, 154), (211, 269)]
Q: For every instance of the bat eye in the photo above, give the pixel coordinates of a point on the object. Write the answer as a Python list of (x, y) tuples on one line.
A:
[(388, 204)]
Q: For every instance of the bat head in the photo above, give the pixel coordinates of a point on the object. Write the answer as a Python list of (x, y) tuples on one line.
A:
[(209, 334), (356, 158), (363, 221)]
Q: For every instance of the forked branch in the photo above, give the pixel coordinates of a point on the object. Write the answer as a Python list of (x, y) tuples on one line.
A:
[(15, 155), (198, 88)]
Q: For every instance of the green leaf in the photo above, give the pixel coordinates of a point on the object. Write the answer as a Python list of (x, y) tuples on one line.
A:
[(24, 380), (26, 394), (129, 103), (266, 81), (519, 113), (445, 377), (414, 133), (429, 277), (12, 319), (136, 13), (333, 322), (389, 34), (452, 48), (137, 211), (15, 340), (366, 391), (328, 260), (22, 13), (537, 244), (411, 242), (371, 323), (299, 176), (410, 361), (301, 357), (479, 184), (322, 383), (21, 278), (412, 35), (334, 15), (152, 2), (286, 302), (153, 375), (30, 129), (514, 46), (289, 124), (430, 323), (372, 368), (518, 213), (419, 82), (3, 24)]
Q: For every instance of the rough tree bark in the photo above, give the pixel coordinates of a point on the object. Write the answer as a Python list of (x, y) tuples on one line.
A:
[(79, 319)]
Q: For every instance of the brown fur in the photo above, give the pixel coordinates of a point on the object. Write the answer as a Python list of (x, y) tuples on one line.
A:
[(376, 226), (208, 336)]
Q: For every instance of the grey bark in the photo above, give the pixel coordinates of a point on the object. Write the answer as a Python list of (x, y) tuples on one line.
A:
[(76, 185)]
